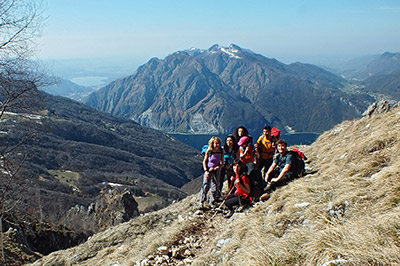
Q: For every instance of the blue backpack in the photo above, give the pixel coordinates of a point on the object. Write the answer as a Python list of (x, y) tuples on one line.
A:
[(204, 149)]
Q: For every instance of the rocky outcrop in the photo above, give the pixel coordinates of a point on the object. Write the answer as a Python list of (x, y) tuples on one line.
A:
[(112, 207), (380, 107)]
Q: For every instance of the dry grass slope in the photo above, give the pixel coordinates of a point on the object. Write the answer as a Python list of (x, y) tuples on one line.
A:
[(347, 211)]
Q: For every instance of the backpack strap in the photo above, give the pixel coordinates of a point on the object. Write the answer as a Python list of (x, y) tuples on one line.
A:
[(218, 152)]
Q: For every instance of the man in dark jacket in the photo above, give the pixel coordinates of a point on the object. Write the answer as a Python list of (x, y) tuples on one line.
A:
[(280, 172)]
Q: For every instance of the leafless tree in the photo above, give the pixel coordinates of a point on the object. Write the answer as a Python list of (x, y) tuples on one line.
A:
[(20, 24)]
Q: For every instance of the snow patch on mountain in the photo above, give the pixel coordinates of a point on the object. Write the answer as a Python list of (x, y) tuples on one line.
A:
[(231, 52)]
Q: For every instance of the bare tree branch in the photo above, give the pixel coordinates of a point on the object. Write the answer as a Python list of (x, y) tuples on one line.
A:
[(20, 23)]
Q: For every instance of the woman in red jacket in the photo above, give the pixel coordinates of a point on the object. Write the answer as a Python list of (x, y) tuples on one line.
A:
[(241, 193)]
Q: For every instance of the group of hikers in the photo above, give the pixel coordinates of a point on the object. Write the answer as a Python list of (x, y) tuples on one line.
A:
[(252, 171)]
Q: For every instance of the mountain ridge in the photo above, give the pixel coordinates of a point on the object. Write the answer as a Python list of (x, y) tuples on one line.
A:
[(212, 91)]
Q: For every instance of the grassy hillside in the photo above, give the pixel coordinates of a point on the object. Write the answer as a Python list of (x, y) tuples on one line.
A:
[(346, 212)]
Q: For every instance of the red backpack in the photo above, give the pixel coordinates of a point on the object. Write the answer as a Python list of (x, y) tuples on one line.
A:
[(300, 153), (276, 133)]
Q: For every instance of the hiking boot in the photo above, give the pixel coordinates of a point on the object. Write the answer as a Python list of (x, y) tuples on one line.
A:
[(240, 209), (229, 214), (264, 197), (218, 200)]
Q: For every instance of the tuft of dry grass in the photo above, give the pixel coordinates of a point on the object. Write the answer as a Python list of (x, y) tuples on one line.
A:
[(348, 210)]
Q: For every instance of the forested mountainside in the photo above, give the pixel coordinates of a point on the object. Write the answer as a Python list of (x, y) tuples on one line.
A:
[(386, 86), (378, 76), (345, 211), (215, 90), (72, 171)]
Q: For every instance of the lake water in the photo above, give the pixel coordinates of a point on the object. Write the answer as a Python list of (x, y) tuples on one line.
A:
[(197, 141), (90, 81)]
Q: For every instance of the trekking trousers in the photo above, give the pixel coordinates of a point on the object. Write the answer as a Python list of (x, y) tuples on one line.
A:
[(263, 165), (234, 200), (211, 183)]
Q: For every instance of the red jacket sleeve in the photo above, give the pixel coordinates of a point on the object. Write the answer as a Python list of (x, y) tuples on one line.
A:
[(240, 191)]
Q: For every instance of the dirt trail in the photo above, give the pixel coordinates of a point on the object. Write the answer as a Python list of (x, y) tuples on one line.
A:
[(191, 243)]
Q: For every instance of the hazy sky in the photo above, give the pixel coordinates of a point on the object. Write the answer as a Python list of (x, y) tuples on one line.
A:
[(287, 30)]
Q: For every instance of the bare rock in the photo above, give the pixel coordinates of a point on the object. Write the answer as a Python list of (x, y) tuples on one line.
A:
[(377, 108)]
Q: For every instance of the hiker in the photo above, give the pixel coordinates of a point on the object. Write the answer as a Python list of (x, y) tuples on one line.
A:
[(231, 153), (212, 164), (240, 195), (246, 150), (280, 172), (239, 132), (264, 150)]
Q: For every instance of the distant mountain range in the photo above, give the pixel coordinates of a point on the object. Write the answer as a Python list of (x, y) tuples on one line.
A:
[(66, 88), (384, 64), (384, 86), (215, 90), (383, 76), (377, 75)]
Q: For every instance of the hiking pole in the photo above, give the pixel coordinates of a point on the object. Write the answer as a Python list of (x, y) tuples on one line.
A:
[(222, 203), (268, 186)]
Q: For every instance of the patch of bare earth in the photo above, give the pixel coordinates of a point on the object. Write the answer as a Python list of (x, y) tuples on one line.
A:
[(193, 242)]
